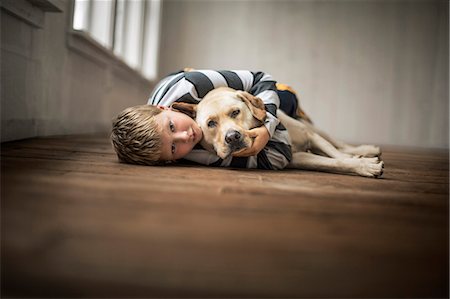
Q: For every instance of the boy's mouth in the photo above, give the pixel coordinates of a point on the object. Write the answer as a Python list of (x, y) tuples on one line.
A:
[(197, 133)]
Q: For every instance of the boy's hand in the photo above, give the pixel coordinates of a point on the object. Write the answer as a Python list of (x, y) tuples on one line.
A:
[(261, 136)]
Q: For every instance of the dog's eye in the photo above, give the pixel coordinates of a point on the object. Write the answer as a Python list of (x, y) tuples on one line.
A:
[(235, 113), (211, 124)]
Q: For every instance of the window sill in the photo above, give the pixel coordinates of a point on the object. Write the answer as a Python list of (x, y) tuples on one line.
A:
[(81, 43)]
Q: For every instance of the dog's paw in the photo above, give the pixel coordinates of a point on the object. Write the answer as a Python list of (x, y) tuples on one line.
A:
[(370, 167), (365, 150)]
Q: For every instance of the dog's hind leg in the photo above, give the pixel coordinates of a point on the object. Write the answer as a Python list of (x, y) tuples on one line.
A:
[(304, 138), (365, 150), (321, 145), (368, 167)]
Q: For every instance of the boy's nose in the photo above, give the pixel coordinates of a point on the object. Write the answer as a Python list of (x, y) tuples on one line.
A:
[(182, 136)]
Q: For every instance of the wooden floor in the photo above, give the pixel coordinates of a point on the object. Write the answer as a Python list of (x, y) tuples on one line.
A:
[(76, 223)]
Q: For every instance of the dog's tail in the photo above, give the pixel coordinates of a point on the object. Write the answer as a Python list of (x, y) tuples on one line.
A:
[(299, 112)]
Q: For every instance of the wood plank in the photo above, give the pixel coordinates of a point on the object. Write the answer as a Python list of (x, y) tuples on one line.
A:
[(76, 223)]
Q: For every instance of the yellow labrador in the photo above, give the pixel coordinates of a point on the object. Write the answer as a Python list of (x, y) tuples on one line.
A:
[(225, 115)]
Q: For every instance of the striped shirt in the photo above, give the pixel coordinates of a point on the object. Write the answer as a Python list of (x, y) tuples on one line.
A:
[(191, 87)]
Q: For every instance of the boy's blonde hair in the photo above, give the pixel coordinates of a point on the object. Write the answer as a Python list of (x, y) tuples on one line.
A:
[(136, 135)]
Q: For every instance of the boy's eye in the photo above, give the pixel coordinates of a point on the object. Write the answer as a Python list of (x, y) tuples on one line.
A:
[(173, 148), (235, 113), (171, 126), (211, 124)]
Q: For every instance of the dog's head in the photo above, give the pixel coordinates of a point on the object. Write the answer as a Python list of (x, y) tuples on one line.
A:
[(225, 115)]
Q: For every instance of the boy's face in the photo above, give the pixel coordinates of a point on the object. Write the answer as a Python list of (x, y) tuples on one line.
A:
[(179, 134)]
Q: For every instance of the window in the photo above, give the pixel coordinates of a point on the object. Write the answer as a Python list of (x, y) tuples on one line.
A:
[(129, 28)]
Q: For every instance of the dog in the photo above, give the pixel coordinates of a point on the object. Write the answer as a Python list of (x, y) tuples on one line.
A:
[(225, 115)]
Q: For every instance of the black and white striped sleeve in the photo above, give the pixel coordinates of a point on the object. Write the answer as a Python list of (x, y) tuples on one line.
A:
[(264, 87), (192, 86), (188, 87), (276, 155), (171, 89)]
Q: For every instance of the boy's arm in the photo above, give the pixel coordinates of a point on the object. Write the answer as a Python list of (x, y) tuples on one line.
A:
[(276, 155), (168, 90), (263, 85), (203, 157), (270, 158), (261, 137), (193, 86)]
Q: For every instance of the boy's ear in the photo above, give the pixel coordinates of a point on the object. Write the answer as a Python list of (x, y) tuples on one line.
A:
[(255, 104), (186, 108)]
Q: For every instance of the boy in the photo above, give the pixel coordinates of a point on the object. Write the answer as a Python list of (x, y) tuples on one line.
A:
[(155, 134)]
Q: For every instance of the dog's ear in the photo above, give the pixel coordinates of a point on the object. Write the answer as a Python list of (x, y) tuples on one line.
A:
[(255, 104), (186, 108)]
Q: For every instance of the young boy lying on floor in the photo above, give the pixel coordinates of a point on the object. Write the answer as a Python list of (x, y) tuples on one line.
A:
[(155, 134)]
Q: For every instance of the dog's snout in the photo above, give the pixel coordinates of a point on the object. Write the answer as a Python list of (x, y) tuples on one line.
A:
[(233, 136)]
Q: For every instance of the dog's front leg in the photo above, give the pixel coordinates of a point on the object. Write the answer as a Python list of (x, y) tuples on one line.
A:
[(365, 150), (368, 167)]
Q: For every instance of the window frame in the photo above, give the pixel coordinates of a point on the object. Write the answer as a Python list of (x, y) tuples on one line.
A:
[(84, 44)]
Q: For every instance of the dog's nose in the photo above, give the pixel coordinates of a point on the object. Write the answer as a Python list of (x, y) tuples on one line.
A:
[(232, 137)]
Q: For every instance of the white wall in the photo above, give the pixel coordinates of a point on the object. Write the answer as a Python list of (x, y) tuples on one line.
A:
[(366, 71), (51, 85)]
